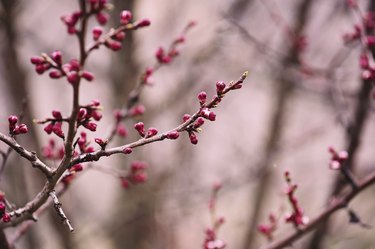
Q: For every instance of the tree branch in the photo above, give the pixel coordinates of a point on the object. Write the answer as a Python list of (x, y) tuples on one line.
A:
[(337, 204)]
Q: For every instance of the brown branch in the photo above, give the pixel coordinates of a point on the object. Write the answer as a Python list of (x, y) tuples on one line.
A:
[(26, 212), (29, 155), (337, 204)]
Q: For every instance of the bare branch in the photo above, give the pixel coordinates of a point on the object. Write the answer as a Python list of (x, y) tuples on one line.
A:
[(337, 204), (29, 155), (60, 211)]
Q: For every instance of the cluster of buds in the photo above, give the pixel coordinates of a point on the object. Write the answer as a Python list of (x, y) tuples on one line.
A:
[(5, 217), (205, 111), (54, 124), (211, 241), (50, 151), (136, 175), (54, 64), (83, 144), (296, 217), (337, 158), (71, 174), (88, 113), (268, 229), (15, 129), (140, 127)]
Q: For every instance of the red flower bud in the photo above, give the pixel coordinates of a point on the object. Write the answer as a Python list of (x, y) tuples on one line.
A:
[(186, 117), (152, 132), (202, 97), (56, 114), (114, 45), (96, 33), (13, 120), (120, 36), (57, 57), (76, 167), (173, 135), (140, 127), (102, 18), (220, 86), (22, 129), (137, 110), (48, 128), (73, 78), (6, 218), (90, 126), (36, 60), (128, 150), (121, 130), (143, 23), (55, 74), (193, 138), (199, 122)]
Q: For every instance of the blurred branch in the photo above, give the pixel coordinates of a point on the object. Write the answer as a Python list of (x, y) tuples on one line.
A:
[(337, 204), (283, 91), (354, 132)]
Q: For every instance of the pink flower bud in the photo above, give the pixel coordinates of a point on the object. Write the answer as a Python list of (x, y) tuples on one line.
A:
[(128, 150), (202, 97), (81, 113), (6, 218), (139, 178), (220, 86), (137, 166), (22, 129), (40, 68), (124, 183), (143, 23), (206, 113), (36, 60), (199, 122), (74, 65), (125, 17), (88, 76), (90, 126), (114, 45), (102, 18), (96, 33), (186, 117), (13, 119), (173, 135), (2, 208), (152, 132), (97, 115), (121, 130), (48, 128), (120, 36), (77, 167), (193, 138), (73, 78), (100, 142), (57, 57), (140, 127), (57, 130), (159, 54), (56, 114), (137, 110), (55, 74), (95, 102)]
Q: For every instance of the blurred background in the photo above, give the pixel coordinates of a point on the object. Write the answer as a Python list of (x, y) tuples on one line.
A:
[(302, 95)]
